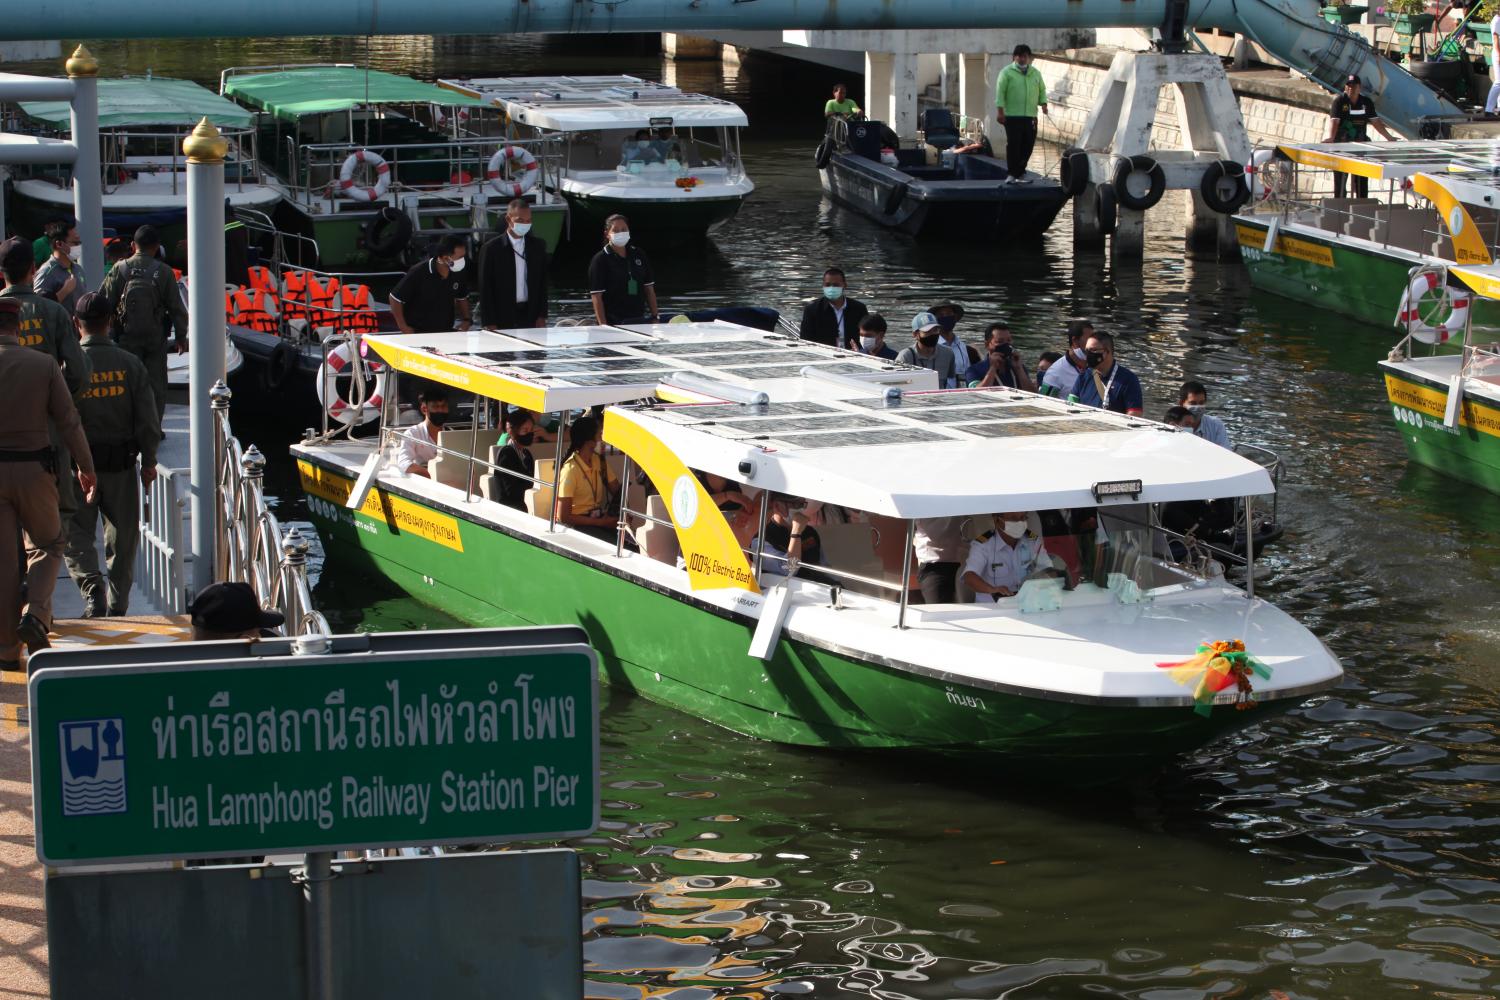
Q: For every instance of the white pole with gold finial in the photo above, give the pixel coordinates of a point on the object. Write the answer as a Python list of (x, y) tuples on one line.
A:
[(205, 150), (88, 178)]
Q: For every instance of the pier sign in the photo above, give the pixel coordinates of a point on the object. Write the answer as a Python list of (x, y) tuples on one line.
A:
[(188, 754)]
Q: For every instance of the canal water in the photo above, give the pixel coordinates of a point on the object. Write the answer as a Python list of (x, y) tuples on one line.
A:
[(1347, 849)]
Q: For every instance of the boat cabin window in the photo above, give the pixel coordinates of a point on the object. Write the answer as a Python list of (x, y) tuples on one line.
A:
[(645, 152)]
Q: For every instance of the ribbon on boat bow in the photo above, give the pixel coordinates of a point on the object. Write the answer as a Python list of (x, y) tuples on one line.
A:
[(1216, 666)]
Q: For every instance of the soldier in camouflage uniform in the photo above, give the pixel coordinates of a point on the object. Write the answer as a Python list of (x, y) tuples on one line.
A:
[(143, 294), (120, 421)]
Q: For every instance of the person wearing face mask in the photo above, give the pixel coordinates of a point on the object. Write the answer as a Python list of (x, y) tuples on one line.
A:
[(1106, 383), (588, 494), (1003, 559), (1002, 365), (433, 293), (949, 314), (834, 318), (516, 457), (1019, 93), (872, 338), (1194, 398), (513, 274), (621, 282), (419, 443), (925, 352), (61, 276), (1061, 376)]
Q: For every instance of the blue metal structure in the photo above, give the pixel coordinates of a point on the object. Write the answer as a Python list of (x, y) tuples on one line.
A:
[(1292, 30)]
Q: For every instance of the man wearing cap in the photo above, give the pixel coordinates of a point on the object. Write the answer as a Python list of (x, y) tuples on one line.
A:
[(230, 611), (142, 294), (948, 316), (924, 352), (36, 398), (120, 421), (1349, 120)]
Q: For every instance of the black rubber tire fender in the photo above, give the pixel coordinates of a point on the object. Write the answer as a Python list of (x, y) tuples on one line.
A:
[(1073, 171), (1106, 209), (824, 152), (1128, 168), (281, 364), (388, 233), (1208, 186), (894, 199)]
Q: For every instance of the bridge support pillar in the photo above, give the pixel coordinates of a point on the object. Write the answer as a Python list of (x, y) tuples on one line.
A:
[(891, 90), (976, 99)]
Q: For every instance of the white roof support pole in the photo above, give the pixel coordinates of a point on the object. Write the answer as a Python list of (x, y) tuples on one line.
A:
[(88, 178), (205, 150)]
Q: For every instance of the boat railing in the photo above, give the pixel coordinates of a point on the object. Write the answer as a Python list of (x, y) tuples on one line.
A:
[(249, 542), (449, 164), (161, 557), (1272, 463), (127, 155)]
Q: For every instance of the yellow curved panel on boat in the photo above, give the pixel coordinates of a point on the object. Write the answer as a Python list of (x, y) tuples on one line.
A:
[(1484, 283), (712, 553), (1331, 161), (440, 369), (1468, 244)]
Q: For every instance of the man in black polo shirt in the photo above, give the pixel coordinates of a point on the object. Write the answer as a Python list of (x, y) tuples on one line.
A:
[(1349, 120), (431, 294), (620, 279)]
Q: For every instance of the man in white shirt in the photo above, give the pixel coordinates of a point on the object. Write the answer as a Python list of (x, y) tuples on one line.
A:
[(1062, 374), (419, 443), (1004, 559), (940, 548), (948, 316), (513, 274), (1194, 399)]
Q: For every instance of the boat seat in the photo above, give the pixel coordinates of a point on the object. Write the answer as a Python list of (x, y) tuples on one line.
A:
[(615, 460), (850, 547), (1408, 228), (938, 128), (1361, 220), (1443, 247), (538, 499), (634, 499), (1336, 212), (657, 540)]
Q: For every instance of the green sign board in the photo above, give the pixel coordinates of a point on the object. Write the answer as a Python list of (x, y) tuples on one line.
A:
[(190, 757)]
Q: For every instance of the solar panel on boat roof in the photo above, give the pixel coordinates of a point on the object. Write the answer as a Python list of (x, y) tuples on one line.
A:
[(729, 411), (644, 378), (544, 354), (585, 365), (921, 400), (976, 414), (776, 427), (773, 371), (860, 438), (1027, 428), (707, 347), (751, 357)]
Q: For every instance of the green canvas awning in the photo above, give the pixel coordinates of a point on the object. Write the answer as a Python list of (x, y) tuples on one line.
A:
[(147, 101), (315, 90)]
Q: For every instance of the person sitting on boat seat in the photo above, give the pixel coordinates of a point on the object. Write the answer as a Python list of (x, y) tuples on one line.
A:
[(1001, 365), (588, 495), (841, 106), (925, 352), (1106, 383), (1062, 376), (833, 317), (1044, 361), (948, 316), (790, 540), (872, 338), (739, 510), (419, 443), (642, 148), (1194, 398), (1001, 560), (516, 460)]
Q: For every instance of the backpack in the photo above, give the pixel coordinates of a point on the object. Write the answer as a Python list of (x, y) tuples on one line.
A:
[(140, 311)]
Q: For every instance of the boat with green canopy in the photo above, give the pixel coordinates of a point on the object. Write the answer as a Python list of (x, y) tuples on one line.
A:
[(1127, 644), (377, 164), (142, 124)]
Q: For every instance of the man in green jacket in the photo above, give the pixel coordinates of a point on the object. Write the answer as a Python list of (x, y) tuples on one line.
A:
[(1019, 92)]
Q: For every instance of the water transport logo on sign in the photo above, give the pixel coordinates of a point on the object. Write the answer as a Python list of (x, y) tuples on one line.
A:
[(93, 766), (685, 501)]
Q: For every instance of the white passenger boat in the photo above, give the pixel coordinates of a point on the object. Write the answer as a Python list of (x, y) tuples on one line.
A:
[(1118, 657), (668, 160)]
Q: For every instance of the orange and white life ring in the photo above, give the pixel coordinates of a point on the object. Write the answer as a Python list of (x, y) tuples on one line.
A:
[(1260, 188), (349, 189), (334, 403), (494, 172), (1452, 304)]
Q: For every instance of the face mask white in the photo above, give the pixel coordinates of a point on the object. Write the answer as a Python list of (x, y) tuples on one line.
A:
[(520, 228), (620, 239), (868, 344), (1197, 410), (1080, 353), (75, 253), (457, 264), (1015, 529)]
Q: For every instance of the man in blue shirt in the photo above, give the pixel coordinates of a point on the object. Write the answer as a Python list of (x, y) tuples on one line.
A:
[(1194, 399), (1106, 383), (872, 338), (1001, 365)]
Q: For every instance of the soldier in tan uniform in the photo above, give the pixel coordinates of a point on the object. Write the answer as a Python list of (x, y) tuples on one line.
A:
[(34, 392), (144, 296), (121, 423)]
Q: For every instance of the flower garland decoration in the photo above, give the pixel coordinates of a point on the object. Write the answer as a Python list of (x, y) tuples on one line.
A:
[(1215, 667)]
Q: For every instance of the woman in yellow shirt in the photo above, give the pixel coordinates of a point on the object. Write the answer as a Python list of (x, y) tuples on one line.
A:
[(588, 492)]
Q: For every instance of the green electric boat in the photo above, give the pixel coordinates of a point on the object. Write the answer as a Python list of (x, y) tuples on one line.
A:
[(1121, 650), (1431, 204), (377, 164)]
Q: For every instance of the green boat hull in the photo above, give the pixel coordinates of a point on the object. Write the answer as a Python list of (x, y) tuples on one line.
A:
[(1338, 275), (693, 657), (341, 238), (1469, 452), (652, 222)]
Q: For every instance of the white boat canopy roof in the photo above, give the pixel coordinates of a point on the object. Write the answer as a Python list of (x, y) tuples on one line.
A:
[(1469, 158), (823, 423), (581, 103)]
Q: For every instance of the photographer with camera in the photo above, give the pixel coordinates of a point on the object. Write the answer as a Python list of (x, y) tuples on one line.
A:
[(1002, 364)]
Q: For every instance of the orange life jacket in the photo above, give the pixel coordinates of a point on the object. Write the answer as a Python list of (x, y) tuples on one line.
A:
[(323, 301), (357, 316), (255, 308), (294, 294), (261, 277)]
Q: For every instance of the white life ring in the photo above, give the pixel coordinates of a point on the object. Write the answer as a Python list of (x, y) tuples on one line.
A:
[(347, 187), (335, 405), (1456, 303), (493, 172), (1260, 189)]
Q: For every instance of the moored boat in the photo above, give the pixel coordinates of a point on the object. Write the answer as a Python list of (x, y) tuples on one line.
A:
[(1430, 204), (142, 124), (375, 163), (668, 160), (1110, 659)]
